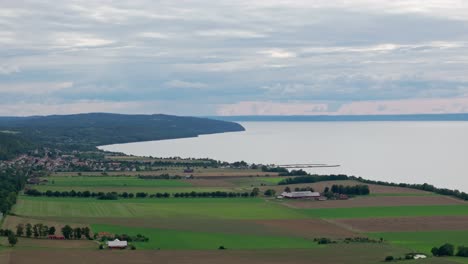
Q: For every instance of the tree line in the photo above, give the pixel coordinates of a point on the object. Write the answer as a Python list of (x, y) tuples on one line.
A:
[(449, 250), (423, 187), (42, 231), (313, 178), (114, 195), (349, 190), (12, 180)]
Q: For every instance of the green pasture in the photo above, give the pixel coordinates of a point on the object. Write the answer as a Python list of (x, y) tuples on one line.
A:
[(201, 208), (112, 181), (132, 189), (175, 239), (388, 211), (424, 241)]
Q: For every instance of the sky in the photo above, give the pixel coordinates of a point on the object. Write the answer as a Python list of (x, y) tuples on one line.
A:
[(262, 57)]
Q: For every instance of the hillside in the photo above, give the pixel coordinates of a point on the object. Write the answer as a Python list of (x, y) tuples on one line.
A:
[(11, 145), (86, 131)]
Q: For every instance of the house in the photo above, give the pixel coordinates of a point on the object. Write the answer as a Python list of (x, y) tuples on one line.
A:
[(117, 244), (301, 195)]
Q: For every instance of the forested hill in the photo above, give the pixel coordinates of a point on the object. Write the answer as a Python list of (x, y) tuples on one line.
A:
[(12, 145), (86, 131)]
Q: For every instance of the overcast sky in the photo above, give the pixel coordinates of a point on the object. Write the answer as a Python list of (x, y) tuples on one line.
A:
[(234, 57)]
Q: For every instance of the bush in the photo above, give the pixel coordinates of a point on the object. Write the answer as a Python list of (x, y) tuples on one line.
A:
[(444, 250), (101, 246), (462, 251), (221, 248), (389, 258), (133, 247)]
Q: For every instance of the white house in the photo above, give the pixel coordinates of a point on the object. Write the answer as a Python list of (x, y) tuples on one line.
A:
[(297, 195), (117, 244)]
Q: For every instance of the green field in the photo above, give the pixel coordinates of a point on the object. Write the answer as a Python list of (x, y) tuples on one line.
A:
[(174, 239), (388, 211), (134, 189), (219, 208), (424, 241), (112, 181)]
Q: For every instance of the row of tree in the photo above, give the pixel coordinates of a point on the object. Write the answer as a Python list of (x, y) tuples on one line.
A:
[(424, 187), (37, 230), (125, 195), (312, 179), (349, 190), (41, 231), (449, 250)]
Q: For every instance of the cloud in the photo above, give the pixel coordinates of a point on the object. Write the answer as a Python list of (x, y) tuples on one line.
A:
[(184, 84), (397, 107), (229, 33), (34, 88), (153, 35), (278, 53), (9, 69), (71, 39), (271, 108), (297, 54)]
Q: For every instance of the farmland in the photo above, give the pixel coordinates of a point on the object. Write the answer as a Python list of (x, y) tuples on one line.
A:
[(272, 228)]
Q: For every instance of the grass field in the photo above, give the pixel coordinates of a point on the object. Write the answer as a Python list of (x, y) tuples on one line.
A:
[(249, 225), (112, 181), (175, 239), (221, 208), (388, 211), (134, 189), (424, 241)]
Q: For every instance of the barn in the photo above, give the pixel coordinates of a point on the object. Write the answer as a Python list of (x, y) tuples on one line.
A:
[(301, 195), (117, 244)]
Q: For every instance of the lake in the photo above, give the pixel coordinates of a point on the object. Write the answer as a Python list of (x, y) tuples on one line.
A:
[(412, 152)]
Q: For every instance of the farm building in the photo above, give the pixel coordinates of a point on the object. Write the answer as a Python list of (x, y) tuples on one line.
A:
[(117, 244), (301, 195)]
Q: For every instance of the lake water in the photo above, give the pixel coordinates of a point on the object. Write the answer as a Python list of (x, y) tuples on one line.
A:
[(413, 152)]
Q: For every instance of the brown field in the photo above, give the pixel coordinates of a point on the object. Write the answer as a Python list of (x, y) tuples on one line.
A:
[(374, 189), (55, 244), (376, 201), (401, 224), (309, 228), (343, 254)]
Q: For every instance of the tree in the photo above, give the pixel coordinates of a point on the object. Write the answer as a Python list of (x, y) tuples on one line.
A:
[(462, 251), (255, 192), (67, 232), (86, 232), (77, 233), (270, 192), (36, 231), (389, 258), (28, 230), (12, 239), (52, 230), (287, 189), (444, 250), (20, 230)]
